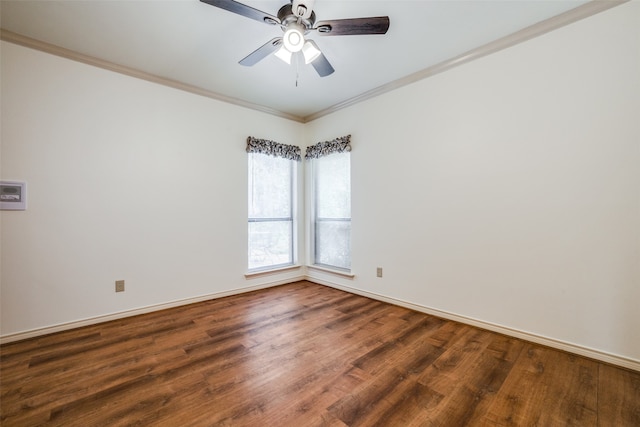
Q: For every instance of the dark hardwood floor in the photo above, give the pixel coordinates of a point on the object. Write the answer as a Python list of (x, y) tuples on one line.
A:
[(304, 355)]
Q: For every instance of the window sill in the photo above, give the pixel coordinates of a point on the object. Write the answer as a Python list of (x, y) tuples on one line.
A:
[(252, 274), (341, 273)]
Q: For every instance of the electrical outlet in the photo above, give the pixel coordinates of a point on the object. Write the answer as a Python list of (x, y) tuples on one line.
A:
[(379, 271), (119, 285)]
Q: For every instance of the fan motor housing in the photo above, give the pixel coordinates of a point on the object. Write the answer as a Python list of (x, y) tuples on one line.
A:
[(286, 17)]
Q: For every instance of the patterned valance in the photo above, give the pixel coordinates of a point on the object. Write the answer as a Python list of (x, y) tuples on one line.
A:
[(338, 145), (271, 148)]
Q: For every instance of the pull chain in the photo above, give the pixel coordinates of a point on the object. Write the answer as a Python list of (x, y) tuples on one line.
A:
[(297, 69)]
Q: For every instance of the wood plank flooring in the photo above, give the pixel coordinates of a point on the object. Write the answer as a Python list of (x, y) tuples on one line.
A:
[(304, 355)]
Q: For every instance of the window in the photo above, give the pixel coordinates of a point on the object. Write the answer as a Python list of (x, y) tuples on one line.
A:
[(271, 207), (332, 210)]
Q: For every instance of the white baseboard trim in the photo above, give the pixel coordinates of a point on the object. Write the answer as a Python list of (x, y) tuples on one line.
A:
[(591, 353), (527, 336), (32, 333)]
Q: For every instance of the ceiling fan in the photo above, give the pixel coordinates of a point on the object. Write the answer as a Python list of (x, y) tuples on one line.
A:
[(297, 19)]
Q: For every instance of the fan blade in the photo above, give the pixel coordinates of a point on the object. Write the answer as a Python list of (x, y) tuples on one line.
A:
[(244, 10), (262, 52), (354, 26), (322, 66)]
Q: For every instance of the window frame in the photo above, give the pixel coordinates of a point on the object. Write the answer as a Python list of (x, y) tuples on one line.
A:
[(315, 219), (291, 218)]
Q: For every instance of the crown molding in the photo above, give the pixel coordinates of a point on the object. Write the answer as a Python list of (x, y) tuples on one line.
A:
[(581, 12), (52, 49)]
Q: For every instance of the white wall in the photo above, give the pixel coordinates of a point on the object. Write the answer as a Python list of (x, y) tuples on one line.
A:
[(508, 190), (126, 180)]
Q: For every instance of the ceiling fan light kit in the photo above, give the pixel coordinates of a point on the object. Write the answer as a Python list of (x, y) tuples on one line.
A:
[(303, 8), (293, 38), (310, 51), (297, 19), (284, 54)]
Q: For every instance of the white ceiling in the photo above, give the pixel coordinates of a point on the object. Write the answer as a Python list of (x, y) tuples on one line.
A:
[(200, 45)]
